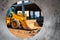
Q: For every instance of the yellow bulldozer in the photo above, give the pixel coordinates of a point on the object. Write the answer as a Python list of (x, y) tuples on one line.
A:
[(18, 21)]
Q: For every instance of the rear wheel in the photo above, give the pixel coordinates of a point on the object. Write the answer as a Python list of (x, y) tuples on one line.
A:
[(15, 24)]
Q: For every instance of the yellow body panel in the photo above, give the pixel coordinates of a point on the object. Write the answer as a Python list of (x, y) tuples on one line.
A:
[(8, 20)]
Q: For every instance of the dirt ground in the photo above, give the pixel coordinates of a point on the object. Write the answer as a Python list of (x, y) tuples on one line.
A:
[(21, 33)]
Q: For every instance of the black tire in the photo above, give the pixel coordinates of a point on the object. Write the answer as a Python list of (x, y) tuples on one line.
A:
[(17, 24), (20, 25)]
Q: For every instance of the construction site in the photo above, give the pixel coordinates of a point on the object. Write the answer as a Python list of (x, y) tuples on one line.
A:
[(24, 19)]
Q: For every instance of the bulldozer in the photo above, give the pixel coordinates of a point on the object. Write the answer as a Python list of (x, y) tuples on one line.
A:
[(18, 21)]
